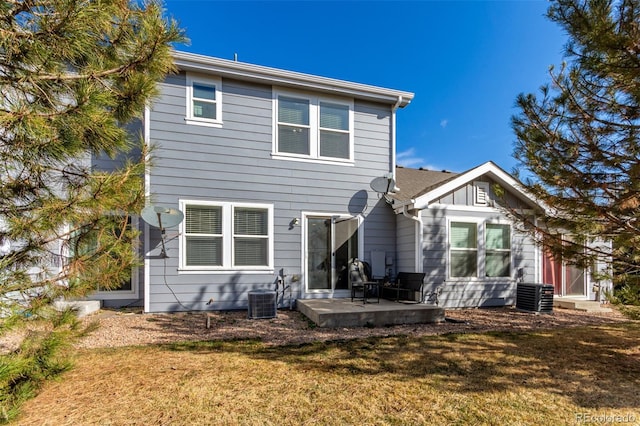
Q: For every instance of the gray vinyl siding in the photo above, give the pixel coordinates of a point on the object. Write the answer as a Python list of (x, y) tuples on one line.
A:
[(464, 196), (234, 163), (434, 246), (481, 291), (406, 244)]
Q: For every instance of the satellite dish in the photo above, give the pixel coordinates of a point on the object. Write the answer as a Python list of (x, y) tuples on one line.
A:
[(383, 184), (162, 217)]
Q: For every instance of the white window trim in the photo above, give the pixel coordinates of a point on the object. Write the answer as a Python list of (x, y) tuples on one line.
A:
[(477, 250), (208, 81), (227, 239), (314, 128), (481, 224)]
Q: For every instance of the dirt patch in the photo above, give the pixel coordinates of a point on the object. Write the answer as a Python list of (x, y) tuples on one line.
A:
[(126, 328)]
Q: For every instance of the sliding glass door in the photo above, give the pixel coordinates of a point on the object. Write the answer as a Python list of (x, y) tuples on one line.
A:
[(331, 241)]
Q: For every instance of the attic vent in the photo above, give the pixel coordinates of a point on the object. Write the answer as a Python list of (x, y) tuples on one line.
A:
[(262, 304), (481, 190)]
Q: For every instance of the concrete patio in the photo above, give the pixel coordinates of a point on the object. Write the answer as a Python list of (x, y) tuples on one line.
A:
[(332, 313)]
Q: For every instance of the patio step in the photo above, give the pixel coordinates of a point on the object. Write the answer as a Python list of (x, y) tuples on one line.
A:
[(579, 305), (332, 313), (82, 307)]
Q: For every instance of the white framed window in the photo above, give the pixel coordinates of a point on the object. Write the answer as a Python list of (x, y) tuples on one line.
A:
[(479, 249), (312, 128), (204, 100), (226, 236)]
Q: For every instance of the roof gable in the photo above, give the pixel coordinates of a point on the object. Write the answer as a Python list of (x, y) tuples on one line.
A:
[(424, 188)]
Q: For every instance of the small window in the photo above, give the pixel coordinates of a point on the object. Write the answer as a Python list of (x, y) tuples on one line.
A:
[(313, 128), (226, 236), (204, 101), (464, 249)]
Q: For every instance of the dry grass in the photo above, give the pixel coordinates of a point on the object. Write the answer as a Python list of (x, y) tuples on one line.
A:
[(541, 377)]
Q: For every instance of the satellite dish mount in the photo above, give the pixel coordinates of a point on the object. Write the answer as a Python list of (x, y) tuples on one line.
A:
[(161, 217), (383, 185)]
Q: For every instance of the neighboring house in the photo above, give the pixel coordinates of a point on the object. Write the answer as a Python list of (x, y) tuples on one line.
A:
[(271, 169), (452, 227)]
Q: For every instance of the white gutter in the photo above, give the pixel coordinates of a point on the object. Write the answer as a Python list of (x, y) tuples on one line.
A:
[(278, 77), (394, 108)]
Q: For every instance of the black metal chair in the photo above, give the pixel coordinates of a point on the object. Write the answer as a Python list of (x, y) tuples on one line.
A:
[(407, 283)]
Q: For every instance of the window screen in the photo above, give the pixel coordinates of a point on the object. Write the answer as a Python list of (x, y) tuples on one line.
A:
[(203, 228), (498, 250), (251, 236), (204, 101), (463, 253), (293, 125)]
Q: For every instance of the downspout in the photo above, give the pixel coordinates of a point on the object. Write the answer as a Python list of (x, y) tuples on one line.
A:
[(538, 261), (147, 194), (418, 264), (393, 136), (392, 172)]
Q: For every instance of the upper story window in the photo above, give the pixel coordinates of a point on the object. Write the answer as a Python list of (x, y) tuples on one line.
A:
[(204, 101), (312, 128)]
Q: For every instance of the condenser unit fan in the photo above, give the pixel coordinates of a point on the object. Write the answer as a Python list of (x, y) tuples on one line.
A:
[(262, 304)]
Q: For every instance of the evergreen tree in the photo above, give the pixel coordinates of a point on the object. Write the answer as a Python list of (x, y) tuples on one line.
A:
[(578, 141), (73, 75)]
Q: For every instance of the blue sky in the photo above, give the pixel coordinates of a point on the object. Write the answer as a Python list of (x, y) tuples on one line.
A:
[(466, 61)]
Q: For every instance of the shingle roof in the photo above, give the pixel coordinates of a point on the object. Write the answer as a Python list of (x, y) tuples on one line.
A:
[(416, 182)]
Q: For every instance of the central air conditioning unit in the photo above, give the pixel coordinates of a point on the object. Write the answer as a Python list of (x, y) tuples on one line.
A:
[(262, 304), (535, 297)]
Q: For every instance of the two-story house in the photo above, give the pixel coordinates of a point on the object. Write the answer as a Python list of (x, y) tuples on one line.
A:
[(273, 170)]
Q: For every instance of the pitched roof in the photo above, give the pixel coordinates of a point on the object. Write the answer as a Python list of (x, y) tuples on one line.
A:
[(421, 187), (415, 182), (257, 73)]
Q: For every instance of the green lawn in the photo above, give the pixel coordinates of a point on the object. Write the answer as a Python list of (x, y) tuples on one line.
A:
[(554, 377)]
